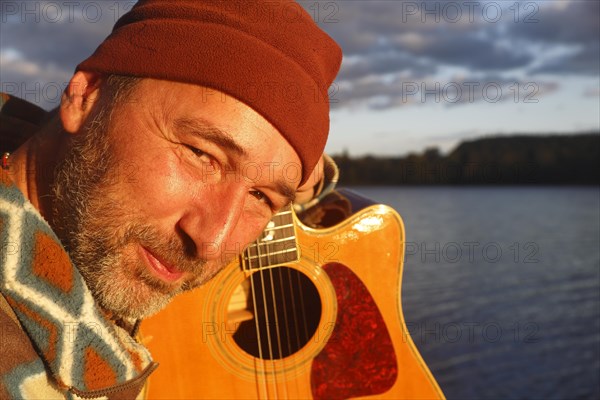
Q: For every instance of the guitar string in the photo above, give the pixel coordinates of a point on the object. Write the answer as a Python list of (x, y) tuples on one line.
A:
[(286, 234), (279, 258), (259, 257), (291, 293), (286, 321), (266, 317), (281, 236), (275, 312), (302, 309), (300, 289), (257, 324), (291, 296), (289, 232)]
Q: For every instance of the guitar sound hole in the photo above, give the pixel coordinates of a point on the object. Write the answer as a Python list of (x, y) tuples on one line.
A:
[(286, 310)]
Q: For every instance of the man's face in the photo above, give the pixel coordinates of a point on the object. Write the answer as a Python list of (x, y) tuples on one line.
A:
[(159, 197)]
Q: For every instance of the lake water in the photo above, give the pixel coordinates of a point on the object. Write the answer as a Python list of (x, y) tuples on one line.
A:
[(501, 288)]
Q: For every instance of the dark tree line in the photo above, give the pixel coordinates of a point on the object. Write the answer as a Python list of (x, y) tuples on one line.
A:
[(506, 160)]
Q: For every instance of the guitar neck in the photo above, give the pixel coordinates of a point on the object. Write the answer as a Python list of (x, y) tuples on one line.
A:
[(276, 245)]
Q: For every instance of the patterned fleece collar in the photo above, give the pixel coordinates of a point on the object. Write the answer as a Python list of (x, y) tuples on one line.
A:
[(83, 350)]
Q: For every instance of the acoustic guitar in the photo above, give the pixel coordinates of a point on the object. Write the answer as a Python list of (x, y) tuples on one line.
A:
[(310, 311)]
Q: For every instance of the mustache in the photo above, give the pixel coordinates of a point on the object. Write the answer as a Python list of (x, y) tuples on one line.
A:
[(174, 250)]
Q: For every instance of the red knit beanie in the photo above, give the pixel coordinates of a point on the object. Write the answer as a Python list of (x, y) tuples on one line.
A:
[(268, 54)]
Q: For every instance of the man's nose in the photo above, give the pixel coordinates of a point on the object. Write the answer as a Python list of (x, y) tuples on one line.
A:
[(212, 219)]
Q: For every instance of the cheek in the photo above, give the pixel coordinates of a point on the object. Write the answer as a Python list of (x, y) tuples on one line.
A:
[(157, 187), (248, 230)]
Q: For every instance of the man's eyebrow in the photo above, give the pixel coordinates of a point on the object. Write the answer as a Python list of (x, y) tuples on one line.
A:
[(206, 130), (286, 191)]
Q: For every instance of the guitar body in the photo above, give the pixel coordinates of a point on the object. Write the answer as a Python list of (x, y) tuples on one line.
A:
[(329, 323)]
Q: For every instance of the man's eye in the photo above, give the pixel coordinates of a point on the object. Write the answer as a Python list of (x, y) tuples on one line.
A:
[(196, 151), (261, 197), (208, 163)]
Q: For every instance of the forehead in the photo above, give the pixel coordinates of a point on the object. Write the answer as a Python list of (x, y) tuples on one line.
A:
[(179, 107)]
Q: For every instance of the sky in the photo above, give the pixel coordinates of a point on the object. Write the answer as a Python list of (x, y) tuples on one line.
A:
[(415, 74)]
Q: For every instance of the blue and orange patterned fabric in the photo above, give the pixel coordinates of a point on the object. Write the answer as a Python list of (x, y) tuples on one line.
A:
[(54, 340)]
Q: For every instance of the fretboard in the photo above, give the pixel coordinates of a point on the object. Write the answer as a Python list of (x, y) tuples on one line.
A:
[(276, 245)]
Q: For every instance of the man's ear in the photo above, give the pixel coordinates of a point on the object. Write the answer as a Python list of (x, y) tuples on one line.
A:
[(78, 99)]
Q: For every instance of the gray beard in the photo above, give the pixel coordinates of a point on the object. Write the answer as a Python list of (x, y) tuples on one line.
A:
[(96, 228)]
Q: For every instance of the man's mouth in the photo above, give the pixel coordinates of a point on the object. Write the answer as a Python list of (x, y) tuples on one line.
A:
[(160, 268)]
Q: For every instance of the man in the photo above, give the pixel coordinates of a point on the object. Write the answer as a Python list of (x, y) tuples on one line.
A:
[(173, 146)]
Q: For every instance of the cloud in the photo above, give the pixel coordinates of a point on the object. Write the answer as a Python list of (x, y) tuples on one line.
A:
[(41, 43), (382, 93), (384, 63), (368, 28), (585, 61), (573, 22), (388, 44), (42, 85), (575, 25), (469, 51), (54, 32)]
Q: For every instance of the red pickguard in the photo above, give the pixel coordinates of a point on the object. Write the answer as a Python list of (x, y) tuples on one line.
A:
[(359, 358)]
